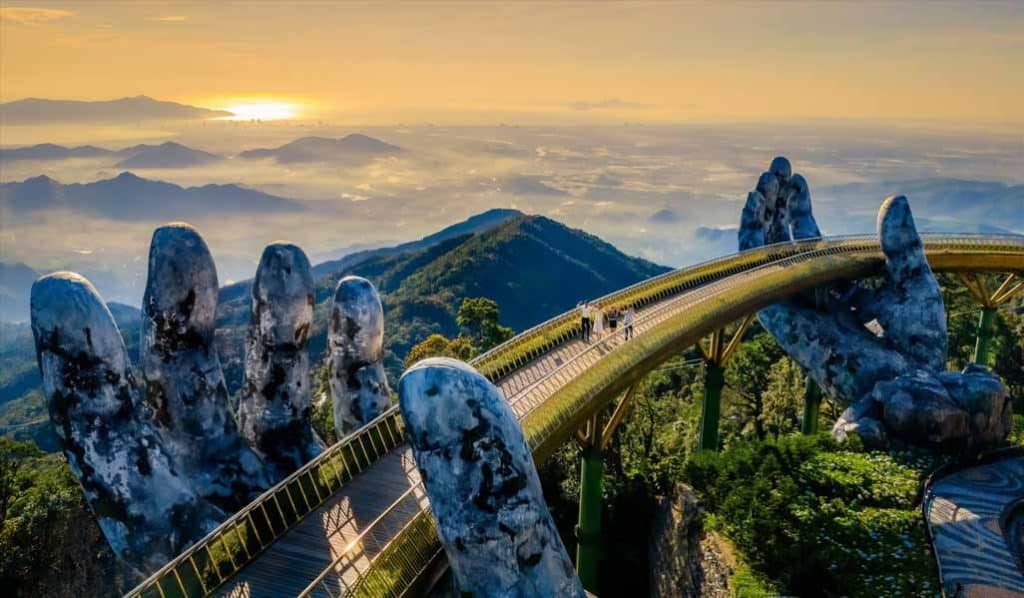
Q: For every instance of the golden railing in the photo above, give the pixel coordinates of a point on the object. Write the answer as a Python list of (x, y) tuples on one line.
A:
[(770, 273)]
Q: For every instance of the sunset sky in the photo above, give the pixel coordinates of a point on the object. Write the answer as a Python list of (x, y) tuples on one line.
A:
[(467, 63)]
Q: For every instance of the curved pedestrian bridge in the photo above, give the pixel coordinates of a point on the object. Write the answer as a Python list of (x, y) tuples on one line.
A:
[(356, 520)]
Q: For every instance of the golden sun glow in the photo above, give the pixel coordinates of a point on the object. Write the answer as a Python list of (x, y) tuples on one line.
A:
[(262, 111)]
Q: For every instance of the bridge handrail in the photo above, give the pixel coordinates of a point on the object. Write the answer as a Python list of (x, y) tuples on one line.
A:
[(388, 428)]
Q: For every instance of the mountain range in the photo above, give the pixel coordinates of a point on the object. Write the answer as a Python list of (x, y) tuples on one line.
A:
[(352, 147), (37, 111), (532, 266), (165, 155), (132, 198)]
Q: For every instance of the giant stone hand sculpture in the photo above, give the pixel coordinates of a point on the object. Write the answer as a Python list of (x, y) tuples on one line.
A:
[(895, 381), (355, 339), (156, 462), (483, 487)]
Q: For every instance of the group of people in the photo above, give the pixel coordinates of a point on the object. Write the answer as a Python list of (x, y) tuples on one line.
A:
[(596, 322)]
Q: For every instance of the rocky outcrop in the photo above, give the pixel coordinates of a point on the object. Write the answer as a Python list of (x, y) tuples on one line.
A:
[(483, 486), (355, 340), (148, 509), (674, 551), (184, 382), (879, 349), (683, 560), (274, 412)]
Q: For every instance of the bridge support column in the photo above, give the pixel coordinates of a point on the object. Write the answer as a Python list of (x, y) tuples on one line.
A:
[(594, 439), (711, 409), (715, 357), (979, 286), (986, 321), (588, 529), (812, 406)]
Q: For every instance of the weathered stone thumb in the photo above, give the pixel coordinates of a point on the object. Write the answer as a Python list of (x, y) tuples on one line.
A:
[(482, 483), (147, 511), (911, 309)]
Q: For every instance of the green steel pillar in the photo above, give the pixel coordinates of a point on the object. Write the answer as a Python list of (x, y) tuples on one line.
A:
[(711, 409), (981, 348), (812, 404), (588, 530)]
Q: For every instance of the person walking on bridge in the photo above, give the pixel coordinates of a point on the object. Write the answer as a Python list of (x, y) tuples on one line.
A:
[(585, 321), (597, 317), (627, 321)]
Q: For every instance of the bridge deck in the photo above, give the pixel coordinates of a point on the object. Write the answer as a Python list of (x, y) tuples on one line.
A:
[(965, 512), (305, 551)]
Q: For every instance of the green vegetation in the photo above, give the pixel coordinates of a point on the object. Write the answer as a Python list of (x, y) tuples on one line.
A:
[(50, 544), (811, 516)]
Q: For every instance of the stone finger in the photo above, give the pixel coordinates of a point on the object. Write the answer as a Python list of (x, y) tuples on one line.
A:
[(274, 413), (484, 490), (359, 386)]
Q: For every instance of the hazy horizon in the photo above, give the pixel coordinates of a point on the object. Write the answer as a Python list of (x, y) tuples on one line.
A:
[(645, 124)]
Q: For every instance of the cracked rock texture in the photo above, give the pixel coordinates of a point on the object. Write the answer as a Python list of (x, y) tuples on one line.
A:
[(274, 413), (146, 507), (184, 382), (881, 350), (355, 340), (483, 487)]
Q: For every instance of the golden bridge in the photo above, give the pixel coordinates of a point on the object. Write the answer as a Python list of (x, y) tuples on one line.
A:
[(356, 520)]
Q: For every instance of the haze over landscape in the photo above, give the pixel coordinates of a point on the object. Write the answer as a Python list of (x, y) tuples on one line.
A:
[(640, 135)]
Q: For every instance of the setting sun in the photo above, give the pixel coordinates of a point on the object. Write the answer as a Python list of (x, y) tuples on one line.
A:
[(262, 111)]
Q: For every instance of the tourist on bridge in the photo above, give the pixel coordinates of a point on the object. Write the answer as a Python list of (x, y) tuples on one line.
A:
[(613, 319), (599, 322), (585, 322), (627, 321)]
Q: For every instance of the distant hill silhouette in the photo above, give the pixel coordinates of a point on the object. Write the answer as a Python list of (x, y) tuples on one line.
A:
[(130, 197), (123, 110), (165, 155), (354, 147), (50, 151)]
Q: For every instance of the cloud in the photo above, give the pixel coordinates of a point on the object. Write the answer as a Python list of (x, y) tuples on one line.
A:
[(32, 16), (170, 19), (611, 104)]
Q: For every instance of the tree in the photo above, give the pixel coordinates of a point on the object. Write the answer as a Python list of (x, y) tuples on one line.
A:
[(50, 543), (784, 397), (747, 376), (478, 319), (437, 345)]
